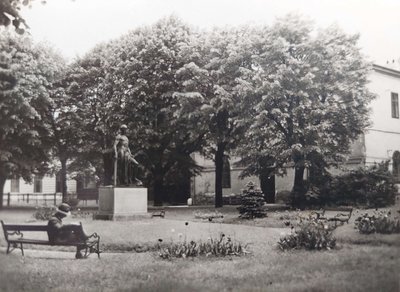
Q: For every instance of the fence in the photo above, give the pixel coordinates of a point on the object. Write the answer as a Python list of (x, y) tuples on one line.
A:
[(29, 198)]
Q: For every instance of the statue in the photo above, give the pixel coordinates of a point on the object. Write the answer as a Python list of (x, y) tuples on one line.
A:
[(125, 165)]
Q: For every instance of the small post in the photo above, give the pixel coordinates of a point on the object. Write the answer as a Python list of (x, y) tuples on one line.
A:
[(8, 200), (55, 199), (27, 198)]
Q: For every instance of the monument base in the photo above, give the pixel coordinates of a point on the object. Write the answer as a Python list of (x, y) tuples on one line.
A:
[(122, 203)]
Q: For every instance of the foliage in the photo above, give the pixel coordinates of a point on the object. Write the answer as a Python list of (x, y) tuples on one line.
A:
[(43, 213), (309, 97), (132, 80), (95, 110), (223, 246), (370, 187), (311, 235), (252, 203), (24, 133), (11, 8), (210, 97), (378, 222)]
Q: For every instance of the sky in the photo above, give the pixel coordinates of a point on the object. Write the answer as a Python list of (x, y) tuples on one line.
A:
[(76, 26)]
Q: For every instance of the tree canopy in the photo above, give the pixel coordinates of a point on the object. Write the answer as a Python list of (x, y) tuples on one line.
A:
[(211, 96), (311, 97), (279, 96), (24, 131)]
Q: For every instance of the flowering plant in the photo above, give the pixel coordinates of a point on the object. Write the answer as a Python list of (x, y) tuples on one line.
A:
[(379, 222), (221, 246), (311, 234)]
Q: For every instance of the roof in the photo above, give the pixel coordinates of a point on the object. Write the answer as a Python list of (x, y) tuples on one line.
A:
[(387, 71)]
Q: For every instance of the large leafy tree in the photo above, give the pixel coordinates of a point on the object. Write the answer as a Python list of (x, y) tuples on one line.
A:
[(132, 81), (212, 91), (90, 85), (149, 60), (64, 122), (24, 131), (311, 98)]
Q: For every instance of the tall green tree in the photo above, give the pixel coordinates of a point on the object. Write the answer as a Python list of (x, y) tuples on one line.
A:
[(64, 125), (312, 99), (132, 81), (24, 131), (212, 91), (90, 86), (150, 58)]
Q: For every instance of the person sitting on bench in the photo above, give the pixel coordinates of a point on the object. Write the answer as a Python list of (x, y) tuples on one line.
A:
[(59, 233)]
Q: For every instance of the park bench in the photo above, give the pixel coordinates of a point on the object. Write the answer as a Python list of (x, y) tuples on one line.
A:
[(14, 236), (335, 214), (158, 213)]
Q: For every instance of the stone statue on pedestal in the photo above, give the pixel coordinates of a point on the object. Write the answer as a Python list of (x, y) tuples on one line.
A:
[(125, 165)]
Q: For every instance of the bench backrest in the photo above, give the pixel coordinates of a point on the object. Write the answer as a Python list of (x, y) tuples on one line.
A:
[(10, 229)]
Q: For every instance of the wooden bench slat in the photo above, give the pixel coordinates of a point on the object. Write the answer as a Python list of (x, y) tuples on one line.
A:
[(25, 227), (30, 241)]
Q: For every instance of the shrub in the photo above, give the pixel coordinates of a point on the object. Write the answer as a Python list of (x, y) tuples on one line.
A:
[(224, 246), (252, 203), (282, 197), (379, 222), (43, 213), (366, 187), (311, 235)]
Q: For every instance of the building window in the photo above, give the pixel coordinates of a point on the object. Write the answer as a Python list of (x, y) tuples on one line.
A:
[(395, 105), (15, 185), (396, 165), (37, 184), (226, 174)]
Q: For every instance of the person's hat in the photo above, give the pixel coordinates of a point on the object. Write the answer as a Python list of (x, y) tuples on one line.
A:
[(123, 126), (64, 209)]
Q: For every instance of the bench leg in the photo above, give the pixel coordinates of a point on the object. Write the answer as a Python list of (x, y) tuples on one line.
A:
[(98, 248), (14, 246)]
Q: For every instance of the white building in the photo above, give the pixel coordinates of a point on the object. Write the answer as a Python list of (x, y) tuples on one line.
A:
[(47, 188), (382, 139)]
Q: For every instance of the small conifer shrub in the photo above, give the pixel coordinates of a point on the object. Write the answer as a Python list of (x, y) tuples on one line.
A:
[(252, 203)]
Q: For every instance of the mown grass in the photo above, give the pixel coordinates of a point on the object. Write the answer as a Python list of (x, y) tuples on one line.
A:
[(360, 263)]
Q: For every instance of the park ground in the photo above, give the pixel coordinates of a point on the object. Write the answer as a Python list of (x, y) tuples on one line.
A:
[(130, 261)]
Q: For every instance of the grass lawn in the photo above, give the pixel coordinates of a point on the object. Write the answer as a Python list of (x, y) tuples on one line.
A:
[(360, 263)]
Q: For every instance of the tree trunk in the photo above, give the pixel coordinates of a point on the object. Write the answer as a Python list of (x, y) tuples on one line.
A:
[(64, 187), (158, 190), (219, 164), (2, 183), (299, 189), (267, 184)]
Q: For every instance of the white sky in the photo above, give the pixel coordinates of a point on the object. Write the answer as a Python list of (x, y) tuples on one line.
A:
[(75, 26)]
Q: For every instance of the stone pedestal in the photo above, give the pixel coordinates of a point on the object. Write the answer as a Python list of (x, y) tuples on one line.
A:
[(122, 203)]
